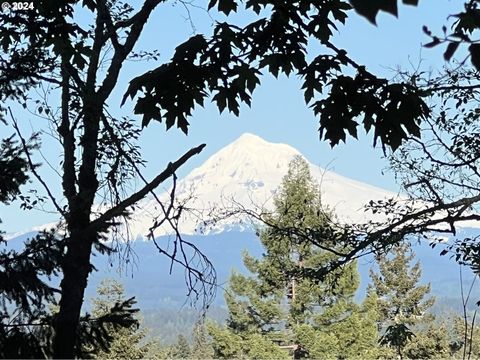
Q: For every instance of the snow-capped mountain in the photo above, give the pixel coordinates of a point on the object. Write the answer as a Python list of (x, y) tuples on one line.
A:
[(248, 172)]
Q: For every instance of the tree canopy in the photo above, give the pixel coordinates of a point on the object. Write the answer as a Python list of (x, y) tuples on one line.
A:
[(279, 309), (401, 301)]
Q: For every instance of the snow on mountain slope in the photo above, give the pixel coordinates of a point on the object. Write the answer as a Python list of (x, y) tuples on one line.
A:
[(249, 170)]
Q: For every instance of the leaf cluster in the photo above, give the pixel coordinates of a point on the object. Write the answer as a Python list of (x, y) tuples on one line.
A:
[(370, 9), (27, 298), (463, 33), (228, 65), (13, 169)]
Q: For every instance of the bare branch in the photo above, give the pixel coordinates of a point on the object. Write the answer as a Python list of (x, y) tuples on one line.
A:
[(136, 23), (120, 208), (204, 272), (32, 165)]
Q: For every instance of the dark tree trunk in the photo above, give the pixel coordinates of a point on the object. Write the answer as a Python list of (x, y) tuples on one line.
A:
[(76, 263), (80, 190), (76, 268)]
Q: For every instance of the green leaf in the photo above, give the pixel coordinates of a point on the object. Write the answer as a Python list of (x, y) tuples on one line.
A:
[(221, 99), (90, 4), (182, 124), (190, 49), (170, 120), (390, 6), (369, 9), (5, 42), (79, 61), (211, 4)]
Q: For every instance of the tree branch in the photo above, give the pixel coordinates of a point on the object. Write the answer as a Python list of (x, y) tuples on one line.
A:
[(205, 273), (420, 228), (111, 31), (98, 42), (137, 22), (67, 133), (134, 198), (32, 166)]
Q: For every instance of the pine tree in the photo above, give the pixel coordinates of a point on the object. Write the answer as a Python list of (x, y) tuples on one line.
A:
[(181, 349), (126, 342), (201, 347), (282, 309), (432, 341), (403, 304)]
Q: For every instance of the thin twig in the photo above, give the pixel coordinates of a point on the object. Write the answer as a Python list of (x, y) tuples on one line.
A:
[(32, 166)]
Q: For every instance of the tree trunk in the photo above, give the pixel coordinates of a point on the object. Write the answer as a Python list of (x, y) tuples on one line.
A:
[(76, 268), (76, 263)]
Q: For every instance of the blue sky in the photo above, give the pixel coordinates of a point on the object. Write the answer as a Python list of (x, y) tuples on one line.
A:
[(278, 112)]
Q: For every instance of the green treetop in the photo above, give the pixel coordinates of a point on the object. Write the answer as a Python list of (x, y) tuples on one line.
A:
[(402, 302), (466, 337), (181, 349), (400, 297), (125, 342), (281, 309), (201, 347)]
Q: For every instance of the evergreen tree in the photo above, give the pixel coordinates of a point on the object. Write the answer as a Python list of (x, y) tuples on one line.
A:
[(282, 309), (79, 50), (201, 347), (432, 341), (27, 299), (181, 349), (125, 342), (466, 337), (403, 305)]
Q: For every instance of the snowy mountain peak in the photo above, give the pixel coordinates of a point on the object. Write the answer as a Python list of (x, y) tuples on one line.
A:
[(249, 138), (246, 158), (248, 142), (248, 171)]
